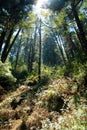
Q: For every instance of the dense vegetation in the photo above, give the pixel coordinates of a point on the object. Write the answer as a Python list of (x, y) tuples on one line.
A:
[(43, 65)]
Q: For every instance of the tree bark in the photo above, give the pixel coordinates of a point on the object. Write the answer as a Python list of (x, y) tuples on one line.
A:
[(3, 56), (2, 39), (82, 35), (3, 34), (60, 49), (17, 56), (30, 60), (31, 57), (12, 43), (39, 62)]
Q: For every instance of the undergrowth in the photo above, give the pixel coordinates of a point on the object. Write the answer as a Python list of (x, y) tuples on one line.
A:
[(57, 102)]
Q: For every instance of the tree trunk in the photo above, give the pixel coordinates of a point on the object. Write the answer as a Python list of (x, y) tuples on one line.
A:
[(82, 39), (30, 57), (65, 51), (3, 34), (71, 47), (34, 42), (30, 65), (17, 56), (32, 52), (61, 51), (2, 39), (12, 44), (3, 56), (39, 62), (59, 47)]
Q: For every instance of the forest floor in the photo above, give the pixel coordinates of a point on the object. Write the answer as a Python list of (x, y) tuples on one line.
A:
[(56, 106)]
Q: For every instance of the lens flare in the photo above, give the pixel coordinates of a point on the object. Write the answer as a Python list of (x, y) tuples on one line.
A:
[(40, 6)]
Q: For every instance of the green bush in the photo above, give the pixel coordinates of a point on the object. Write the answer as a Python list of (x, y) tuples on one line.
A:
[(7, 80), (31, 80), (60, 71), (21, 73), (45, 79)]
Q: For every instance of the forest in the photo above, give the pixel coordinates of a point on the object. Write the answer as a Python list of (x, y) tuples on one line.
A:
[(43, 64)]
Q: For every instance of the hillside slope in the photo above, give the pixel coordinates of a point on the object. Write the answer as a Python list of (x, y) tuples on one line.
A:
[(58, 105)]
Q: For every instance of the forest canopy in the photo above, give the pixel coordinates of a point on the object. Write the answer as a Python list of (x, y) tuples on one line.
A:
[(50, 32)]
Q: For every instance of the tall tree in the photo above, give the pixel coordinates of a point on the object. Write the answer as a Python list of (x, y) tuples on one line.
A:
[(12, 13), (18, 52), (58, 5), (82, 35), (39, 61)]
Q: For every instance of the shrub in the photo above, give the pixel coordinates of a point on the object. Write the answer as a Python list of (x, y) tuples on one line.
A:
[(44, 80), (60, 71), (21, 73), (55, 103), (6, 77)]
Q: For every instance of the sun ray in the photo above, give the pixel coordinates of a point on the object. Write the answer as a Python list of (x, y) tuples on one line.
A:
[(39, 7)]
